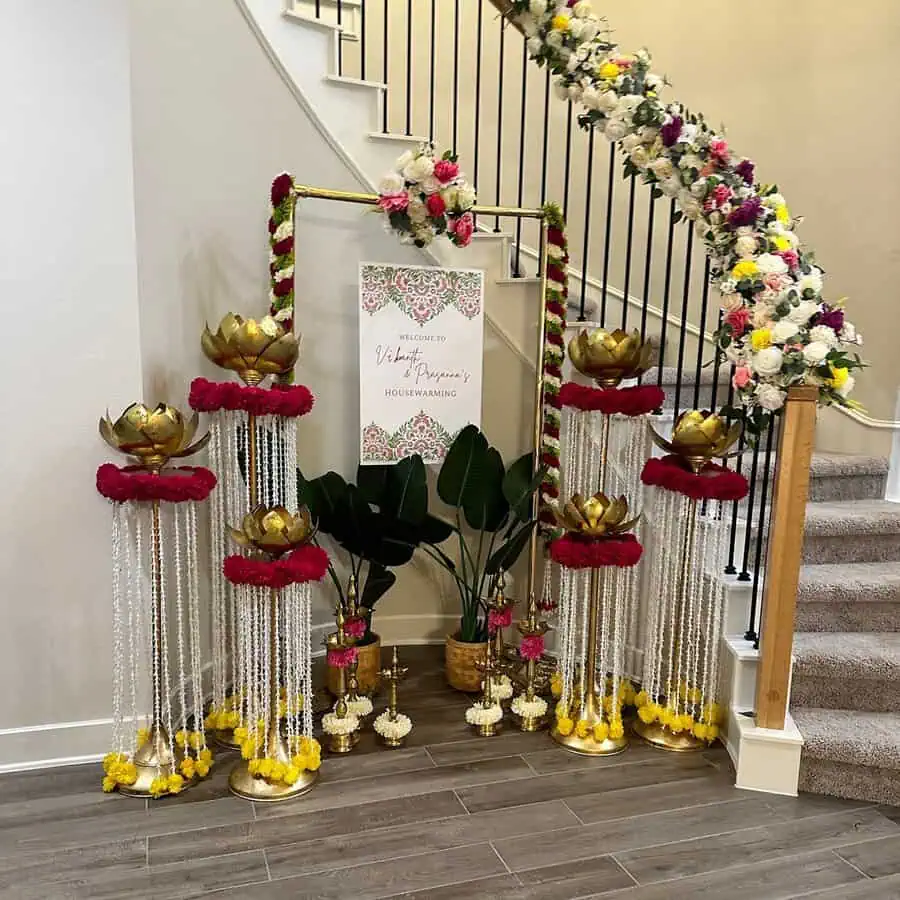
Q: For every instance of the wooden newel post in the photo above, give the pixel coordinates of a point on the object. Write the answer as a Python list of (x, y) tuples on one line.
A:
[(785, 553)]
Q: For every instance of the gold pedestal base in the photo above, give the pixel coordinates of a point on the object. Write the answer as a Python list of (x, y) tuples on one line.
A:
[(393, 743), (530, 724), (247, 786), (489, 729), (158, 756), (587, 746), (226, 739), (342, 743), (660, 736)]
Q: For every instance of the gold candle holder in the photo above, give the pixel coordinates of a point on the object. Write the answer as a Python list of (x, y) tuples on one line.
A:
[(392, 674), (344, 739)]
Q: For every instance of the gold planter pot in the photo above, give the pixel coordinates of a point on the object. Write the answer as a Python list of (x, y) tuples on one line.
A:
[(367, 668), (461, 661)]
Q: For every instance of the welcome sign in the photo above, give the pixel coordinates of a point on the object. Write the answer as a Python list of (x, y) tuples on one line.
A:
[(421, 335)]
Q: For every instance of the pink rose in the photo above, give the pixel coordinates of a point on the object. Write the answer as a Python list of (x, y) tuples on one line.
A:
[(394, 202), (463, 228), (738, 319), (718, 150), (790, 257), (742, 376), (722, 194), (435, 204), (445, 170)]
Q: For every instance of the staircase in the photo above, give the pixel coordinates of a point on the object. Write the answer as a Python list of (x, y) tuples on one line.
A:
[(845, 696)]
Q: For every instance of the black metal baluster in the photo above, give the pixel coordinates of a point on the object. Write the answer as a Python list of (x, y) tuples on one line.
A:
[(545, 145), (648, 264), (362, 40), (732, 538), (500, 118), (568, 165), (318, 9), (478, 44), (587, 223), (607, 237), (431, 72), (520, 192), (761, 528), (704, 306), (629, 241), (409, 59), (744, 574), (667, 283), (455, 110), (385, 60), (340, 39), (717, 363), (685, 299)]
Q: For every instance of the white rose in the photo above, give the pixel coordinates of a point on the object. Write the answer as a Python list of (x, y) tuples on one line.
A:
[(419, 169), (616, 129), (662, 168), (466, 197), (849, 334), (671, 186), (555, 39), (640, 157), (698, 188), (575, 92), (529, 26), (824, 335), (590, 29), (648, 134), (768, 362), (431, 185), (562, 90), (689, 204), (770, 397), (745, 246), (784, 330), (537, 8), (631, 141), (417, 211), (391, 184), (654, 82), (847, 386), (812, 281), (803, 312), (575, 27), (771, 264), (404, 160), (815, 352), (727, 286), (690, 161), (582, 9), (534, 45)]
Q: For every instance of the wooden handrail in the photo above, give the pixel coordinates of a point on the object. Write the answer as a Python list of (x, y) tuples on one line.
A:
[(795, 449)]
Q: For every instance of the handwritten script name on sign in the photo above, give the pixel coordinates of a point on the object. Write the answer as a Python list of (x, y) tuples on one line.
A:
[(421, 336)]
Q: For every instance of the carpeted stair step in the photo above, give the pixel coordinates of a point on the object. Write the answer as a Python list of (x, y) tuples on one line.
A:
[(852, 531), (668, 379), (842, 476), (851, 671), (849, 597), (850, 754)]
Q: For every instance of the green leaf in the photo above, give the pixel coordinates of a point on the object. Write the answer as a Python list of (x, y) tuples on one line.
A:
[(508, 553), (379, 581), (519, 485), (372, 481), (434, 530), (329, 493), (458, 468), (484, 505), (406, 492)]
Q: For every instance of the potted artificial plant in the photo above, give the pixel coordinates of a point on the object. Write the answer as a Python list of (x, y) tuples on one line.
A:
[(492, 520), (378, 522)]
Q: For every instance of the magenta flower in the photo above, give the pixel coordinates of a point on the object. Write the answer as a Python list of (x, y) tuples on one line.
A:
[(738, 319), (745, 169), (499, 619), (722, 194), (746, 214), (719, 151), (463, 228), (790, 257), (342, 658), (532, 647), (394, 202), (831, 317), (445, 170), (671, 131), (355, 627)]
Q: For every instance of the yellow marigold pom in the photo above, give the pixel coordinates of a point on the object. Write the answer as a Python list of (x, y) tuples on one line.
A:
[(210, 722), (109, 783), (746, 268), (582, 728), (181, 738), (712, 714), (616, 729), (112, 759), (291, 774), (781, 243), (195, 739), (642, 698), (564, 726), (601, 732), (687, 722), (556, 684), (265, 767), (175, 783), (127, 774), (188, 767), (253, 766), (201, 768), (560, 23), (700, 731), (712, 732), (230, 720), (760, 338), (647, 714), (206, 755), (666, 716), (248, 749), (159, 786), (241, 733), (608, 70)]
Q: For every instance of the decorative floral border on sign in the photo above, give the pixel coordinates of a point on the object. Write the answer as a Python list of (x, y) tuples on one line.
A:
[(420, 292), (777, 329), (419, 434)]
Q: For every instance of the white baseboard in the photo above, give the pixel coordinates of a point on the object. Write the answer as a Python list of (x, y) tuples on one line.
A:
[(56, 744)]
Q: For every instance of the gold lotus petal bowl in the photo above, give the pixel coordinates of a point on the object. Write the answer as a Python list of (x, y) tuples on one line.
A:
[(610, 356), (597, 516), (151, 435), (274, 530), (251, 347)]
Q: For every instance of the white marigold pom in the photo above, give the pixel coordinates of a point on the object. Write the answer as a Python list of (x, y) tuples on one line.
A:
[(529, 709), (332, 724), (484, 715), (392, 729)]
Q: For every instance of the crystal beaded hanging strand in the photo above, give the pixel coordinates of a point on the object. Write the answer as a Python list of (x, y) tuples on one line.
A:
[(217, 553), (166, 688), (118, 643), (136, 637), (179, 617), (292, 501), (305, 650), (194, 619)]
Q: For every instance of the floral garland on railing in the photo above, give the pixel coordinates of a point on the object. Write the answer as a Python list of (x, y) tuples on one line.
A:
[(776, 328), (283, 199), (424, 197)]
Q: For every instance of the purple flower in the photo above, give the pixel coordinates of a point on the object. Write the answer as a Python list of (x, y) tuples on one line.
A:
[(745, 169), (671, 131), (831, 317), (746, 214)]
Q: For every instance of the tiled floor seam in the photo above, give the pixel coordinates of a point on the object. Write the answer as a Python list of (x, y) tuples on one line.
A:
[(502, 860), (835, 851)]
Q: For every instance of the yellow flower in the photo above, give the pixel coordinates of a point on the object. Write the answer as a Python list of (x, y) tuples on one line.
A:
[(181, 738), (206, 755), (616, 729), (175, 783), (782, 214), (560, 23), (609, 71), (112, 759), (188, 767), (564, 726), (582, 729), (291, 774), (241, 733), (556, 684), (109, 783), (839, 376), (647, 713), (760, 338), (712, 732), (159, 786), (781, 242), (642, 698), (201, 768), (746, 268), (700, 731), (601, 732), (253, 766), (265, 767)]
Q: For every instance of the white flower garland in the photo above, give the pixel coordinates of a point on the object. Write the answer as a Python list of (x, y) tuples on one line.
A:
[(333, 724), (762, 271), (360, 707), (501, 688), (392, 729), (484, 715), (529, 709)]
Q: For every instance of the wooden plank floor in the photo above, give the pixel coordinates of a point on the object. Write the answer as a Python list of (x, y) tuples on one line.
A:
[(450, 817)]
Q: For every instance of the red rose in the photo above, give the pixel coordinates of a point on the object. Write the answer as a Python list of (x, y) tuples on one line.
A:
[(272, 226), (282, 248), (445, 170), (281, 188), (435, 204), (284, 287)]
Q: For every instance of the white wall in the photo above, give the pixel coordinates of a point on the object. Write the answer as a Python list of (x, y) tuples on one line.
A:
[(69, 293)]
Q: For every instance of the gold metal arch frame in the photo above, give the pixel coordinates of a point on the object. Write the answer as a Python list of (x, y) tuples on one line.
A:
[(513, 212)]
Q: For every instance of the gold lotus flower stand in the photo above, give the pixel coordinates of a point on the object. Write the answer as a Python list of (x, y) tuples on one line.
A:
[(152, 437), (254, 349), (669, 717)]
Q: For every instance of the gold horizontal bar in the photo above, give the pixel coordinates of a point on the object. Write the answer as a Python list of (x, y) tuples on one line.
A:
[(371, 199)]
